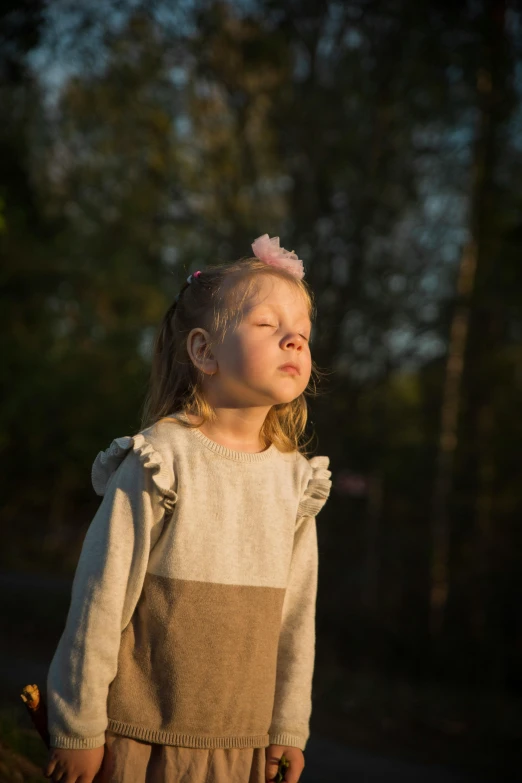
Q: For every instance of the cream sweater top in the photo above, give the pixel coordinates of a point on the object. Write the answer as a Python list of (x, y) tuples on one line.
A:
[(192, 614)]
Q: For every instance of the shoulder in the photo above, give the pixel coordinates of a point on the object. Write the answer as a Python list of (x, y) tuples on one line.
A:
[(312, 479), (316, 484), (165, 436), (307, 468), (150, 450)]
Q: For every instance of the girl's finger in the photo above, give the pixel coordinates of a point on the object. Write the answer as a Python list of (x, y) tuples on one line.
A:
[(59, 774), (293, 774), (271, 770), (49, 769)]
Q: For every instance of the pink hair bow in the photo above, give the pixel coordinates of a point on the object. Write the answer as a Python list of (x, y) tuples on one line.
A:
[(268, 250)]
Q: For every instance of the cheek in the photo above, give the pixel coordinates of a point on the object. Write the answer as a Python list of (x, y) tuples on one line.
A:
[(242, 356), (256, 358)]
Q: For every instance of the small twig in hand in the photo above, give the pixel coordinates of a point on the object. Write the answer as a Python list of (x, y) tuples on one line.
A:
[(283, 767)]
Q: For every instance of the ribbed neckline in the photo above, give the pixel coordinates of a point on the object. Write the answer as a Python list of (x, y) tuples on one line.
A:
[(224, 451)]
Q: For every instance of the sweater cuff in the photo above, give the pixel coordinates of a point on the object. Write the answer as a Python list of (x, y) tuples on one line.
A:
[(288, 740), (76, 743)]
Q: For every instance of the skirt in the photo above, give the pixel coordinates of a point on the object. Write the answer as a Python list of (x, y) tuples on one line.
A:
[(128, 760)]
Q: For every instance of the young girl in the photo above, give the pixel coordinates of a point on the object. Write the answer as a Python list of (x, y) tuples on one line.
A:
[(188, 650)]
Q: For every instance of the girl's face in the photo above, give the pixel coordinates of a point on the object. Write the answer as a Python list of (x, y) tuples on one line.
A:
[(275, 330)]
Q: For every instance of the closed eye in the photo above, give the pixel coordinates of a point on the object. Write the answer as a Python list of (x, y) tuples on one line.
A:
[(301, 335)]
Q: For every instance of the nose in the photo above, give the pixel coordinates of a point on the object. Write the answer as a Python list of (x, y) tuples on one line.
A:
[(294, 341)]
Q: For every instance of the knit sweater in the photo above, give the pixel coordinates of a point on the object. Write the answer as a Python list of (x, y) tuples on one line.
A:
[(192, 613)]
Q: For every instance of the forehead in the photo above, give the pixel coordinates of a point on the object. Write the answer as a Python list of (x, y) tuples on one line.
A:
[(271, 292)]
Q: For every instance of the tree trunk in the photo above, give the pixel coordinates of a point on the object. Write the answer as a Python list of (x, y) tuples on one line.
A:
[(440, 524), (471, 261)]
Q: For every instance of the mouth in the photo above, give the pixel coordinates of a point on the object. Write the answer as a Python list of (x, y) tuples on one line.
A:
[(293, 369)]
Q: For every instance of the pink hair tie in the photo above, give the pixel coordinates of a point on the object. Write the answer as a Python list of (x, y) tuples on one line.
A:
[(194, 274), (268, 250)]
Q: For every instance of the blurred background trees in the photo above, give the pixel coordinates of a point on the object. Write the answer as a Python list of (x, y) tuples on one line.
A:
[(380, 140)]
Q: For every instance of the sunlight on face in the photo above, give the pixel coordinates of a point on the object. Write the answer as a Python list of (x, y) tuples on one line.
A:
[(274, 329)]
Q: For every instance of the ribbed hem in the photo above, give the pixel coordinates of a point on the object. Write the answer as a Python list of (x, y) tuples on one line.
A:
[(186, 740), (288, 740), (224, 451), (76, 743)]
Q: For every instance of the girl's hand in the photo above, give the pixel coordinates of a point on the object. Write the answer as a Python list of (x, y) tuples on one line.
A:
[(295, 757), (68, 766)]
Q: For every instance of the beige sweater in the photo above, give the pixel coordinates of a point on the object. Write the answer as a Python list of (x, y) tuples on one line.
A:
[(192, 615)]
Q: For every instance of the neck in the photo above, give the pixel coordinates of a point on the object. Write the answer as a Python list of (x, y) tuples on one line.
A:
[(236, 428)]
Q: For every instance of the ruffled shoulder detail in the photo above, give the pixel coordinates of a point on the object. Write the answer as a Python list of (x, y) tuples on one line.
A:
[(108, 461), (318, 488)]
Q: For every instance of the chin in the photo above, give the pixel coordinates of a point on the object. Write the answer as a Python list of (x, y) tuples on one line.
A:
[(282, 399)]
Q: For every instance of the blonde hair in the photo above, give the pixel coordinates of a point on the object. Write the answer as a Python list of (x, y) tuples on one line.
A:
[(213, 301)]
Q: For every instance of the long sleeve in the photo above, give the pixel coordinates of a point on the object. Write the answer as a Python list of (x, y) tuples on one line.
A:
[(105, 590), (296, 650)]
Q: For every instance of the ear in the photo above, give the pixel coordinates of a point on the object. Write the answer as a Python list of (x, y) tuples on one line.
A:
[(198, 342)]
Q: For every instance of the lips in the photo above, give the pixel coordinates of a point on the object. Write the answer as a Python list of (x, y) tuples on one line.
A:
[(289, 367)]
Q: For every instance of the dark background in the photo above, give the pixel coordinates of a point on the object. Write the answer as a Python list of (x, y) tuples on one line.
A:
[(140, 141)]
